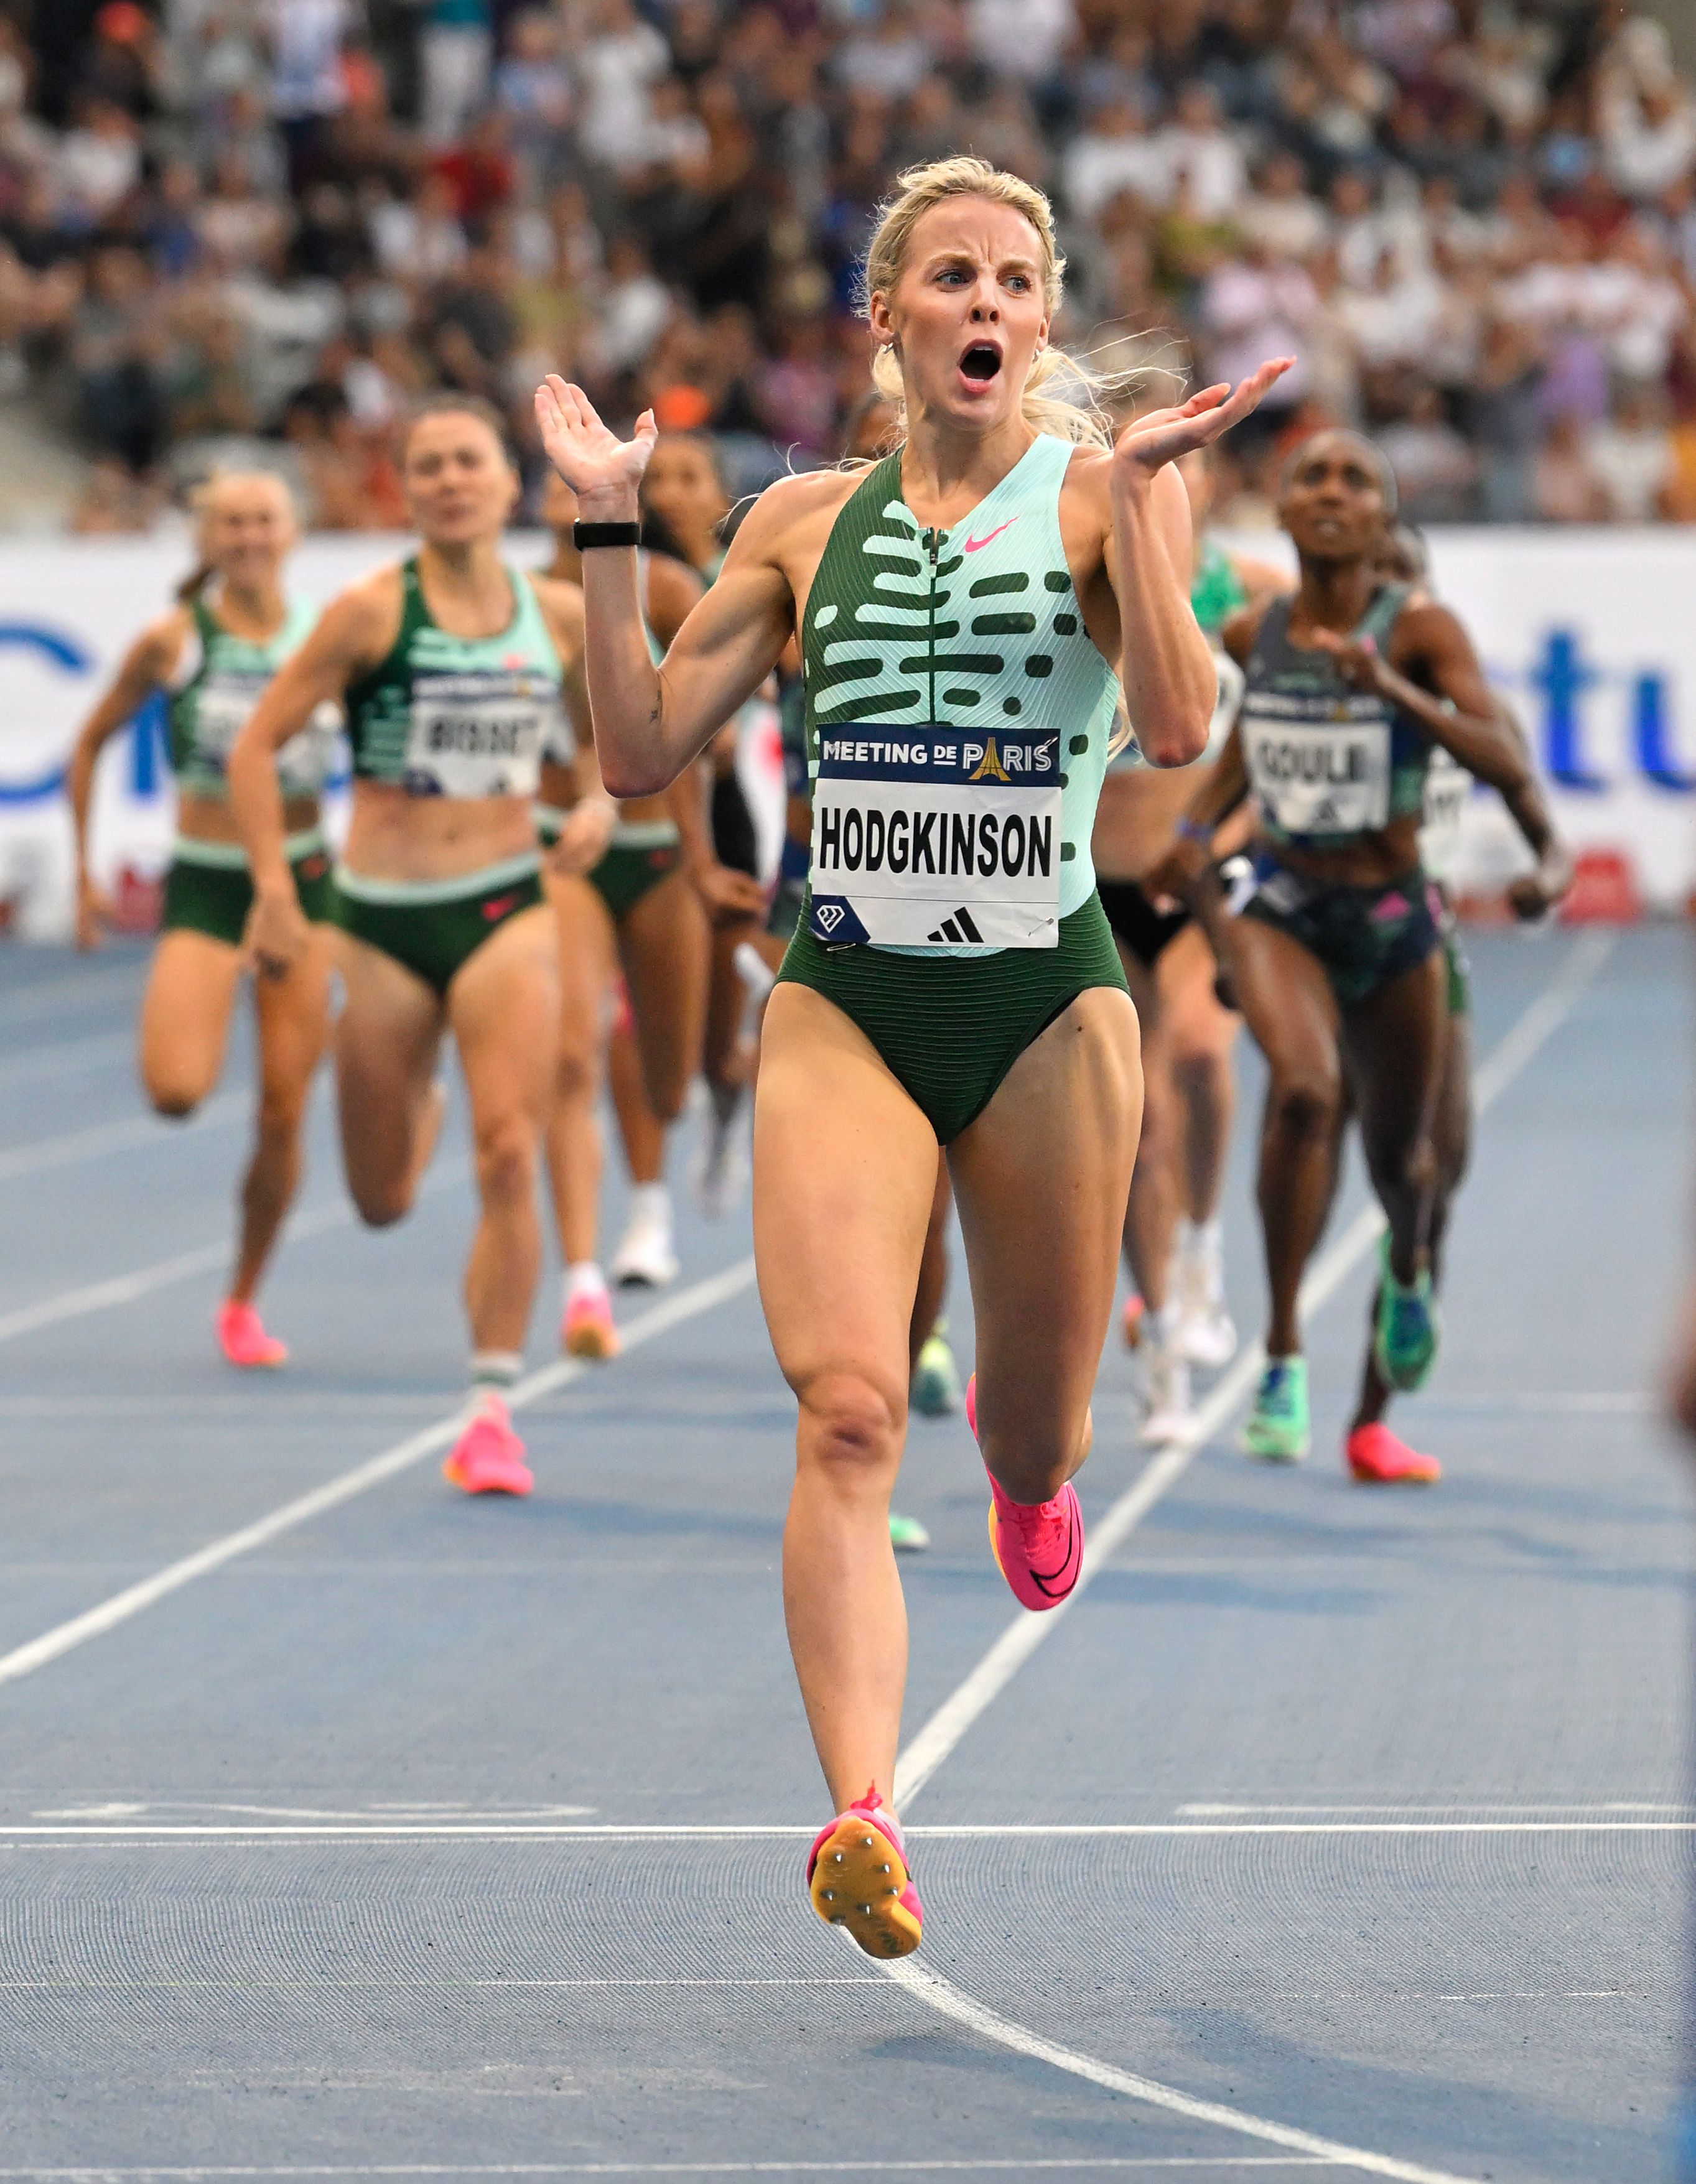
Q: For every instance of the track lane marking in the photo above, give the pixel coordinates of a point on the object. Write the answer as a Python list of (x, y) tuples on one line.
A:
[(945, 1998), (200, 1832), (73, 1147), (931, 1745), (65, 1637), (1062, 2164)]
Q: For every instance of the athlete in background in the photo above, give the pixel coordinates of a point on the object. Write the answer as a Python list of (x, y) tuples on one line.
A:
[(210, 658)]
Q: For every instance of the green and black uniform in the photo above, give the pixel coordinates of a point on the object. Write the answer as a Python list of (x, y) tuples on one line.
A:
[(218, 680), (1328, 765), (639, 853), (957, 719), (455, 716)]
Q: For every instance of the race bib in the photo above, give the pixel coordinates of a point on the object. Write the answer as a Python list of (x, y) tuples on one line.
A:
[(1448, 787), (1317, 767), (223, 705), (937, 837), (478, 735)]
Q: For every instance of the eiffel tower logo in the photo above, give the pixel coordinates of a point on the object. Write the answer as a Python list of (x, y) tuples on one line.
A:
[(990, 766)]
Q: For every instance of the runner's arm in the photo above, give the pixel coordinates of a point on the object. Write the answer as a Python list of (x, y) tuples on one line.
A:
[(1535, 892), (353, 633), (650, 723), (1452, 701), (143, 669)]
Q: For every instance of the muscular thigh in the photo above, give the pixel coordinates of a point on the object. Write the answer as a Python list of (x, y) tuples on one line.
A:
[(503, 1008), (585, 966), (1195, 1024), (191, 991), (387, 1038), (1286, 1001), (1041, 1179), (845, 1173), (1397, 1042), (666, 945)]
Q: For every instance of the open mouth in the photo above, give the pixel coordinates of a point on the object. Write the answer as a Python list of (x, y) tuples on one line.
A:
[(981, 362)]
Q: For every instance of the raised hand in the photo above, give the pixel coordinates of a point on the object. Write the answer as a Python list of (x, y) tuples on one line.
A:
[(1148, 443), (602, 470)]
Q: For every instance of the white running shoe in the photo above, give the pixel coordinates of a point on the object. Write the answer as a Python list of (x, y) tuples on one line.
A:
[(718, 1175), (1206, 1332), (646, 1258), (1168, 1414)]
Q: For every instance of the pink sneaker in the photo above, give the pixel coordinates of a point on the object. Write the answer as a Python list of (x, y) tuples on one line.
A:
[(1038, 1547), (857, 1878), (587, 1329), (243, 1340), (489, 1457), (1378, 1458)]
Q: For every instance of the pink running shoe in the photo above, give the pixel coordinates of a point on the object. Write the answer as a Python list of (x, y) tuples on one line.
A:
[(1134, 1309), (243, 1340), (1038, 1547), (587, 1329), (857, 1878), (1377, 1457), (489, 1457)]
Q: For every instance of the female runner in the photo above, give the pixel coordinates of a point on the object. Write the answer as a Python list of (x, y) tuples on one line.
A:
[(211, 656), (1172, 1229), (626, 895), (450, 668), (1376, 1455), (1337, 957), (966, 608), (685, 488)]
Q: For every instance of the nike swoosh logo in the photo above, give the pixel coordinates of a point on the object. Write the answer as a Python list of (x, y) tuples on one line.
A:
[(975, 545), (499, 907)]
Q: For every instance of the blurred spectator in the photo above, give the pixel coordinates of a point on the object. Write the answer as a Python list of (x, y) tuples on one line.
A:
[(1631, 452), (1565, 487), (1473, 225)]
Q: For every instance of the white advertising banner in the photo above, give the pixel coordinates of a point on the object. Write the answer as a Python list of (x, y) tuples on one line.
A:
[(1591, 634)]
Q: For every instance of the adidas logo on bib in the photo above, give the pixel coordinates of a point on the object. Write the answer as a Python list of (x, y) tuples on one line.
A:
[(957, 931)]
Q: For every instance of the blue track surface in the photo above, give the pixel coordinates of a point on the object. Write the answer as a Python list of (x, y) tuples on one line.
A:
[(297, 1872)]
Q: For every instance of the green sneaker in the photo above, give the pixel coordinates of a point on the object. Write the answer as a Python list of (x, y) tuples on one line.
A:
[(1276, 1428), (936, 1378), (1407, 1326), (907, 1537)]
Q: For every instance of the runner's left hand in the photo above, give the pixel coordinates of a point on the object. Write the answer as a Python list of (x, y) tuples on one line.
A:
[(726, 895), (1533, 895), (1148, 443), (1359, 660), (585, 836)]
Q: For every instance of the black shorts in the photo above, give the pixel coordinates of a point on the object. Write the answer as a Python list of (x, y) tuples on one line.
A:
[(1145, 930)]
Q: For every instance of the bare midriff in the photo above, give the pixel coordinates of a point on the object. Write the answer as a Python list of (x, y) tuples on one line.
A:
[(393, 836), (209, 818)]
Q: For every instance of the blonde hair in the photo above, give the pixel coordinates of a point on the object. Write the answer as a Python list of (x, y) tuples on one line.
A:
[(1063, 394), (200, 499)]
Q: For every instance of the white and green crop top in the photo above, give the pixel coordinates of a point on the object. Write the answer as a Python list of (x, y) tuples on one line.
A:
[(218, 680), (460, 716), (957, 719)]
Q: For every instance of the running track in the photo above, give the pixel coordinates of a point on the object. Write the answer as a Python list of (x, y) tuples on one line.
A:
[(350, 1830)]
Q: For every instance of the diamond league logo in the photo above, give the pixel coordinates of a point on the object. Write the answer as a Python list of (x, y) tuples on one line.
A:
[(830, 916)]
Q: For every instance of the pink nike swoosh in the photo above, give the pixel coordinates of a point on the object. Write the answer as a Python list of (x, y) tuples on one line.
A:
[(972, 545)]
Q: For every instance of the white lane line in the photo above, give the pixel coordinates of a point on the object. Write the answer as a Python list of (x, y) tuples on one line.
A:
[(927, 1750), (614, 1831), (63, 1637), (165, 1274), (1055, 2165), (75, 1146), (949, 2002)]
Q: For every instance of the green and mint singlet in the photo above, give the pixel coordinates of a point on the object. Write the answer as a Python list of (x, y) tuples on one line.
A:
[(957, 722), (218, 680), (957, 719), (459, 716), (1327, 764)]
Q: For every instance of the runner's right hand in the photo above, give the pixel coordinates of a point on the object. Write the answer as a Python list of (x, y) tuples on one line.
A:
[(602, 470), (93, 915), (277, 935)]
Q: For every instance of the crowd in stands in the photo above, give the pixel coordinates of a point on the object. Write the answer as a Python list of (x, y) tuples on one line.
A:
[(224, 220)]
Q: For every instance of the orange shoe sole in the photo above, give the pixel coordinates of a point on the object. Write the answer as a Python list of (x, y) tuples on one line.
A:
[(858, 1879), (596, 1344)]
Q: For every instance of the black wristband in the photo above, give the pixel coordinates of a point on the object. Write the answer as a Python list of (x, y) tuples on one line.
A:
[(585, 535)]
